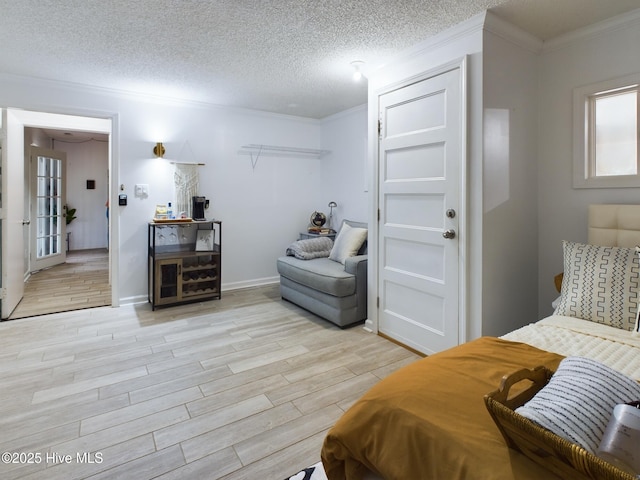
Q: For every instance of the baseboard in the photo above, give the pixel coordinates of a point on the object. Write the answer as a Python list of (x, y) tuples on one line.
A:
[(226, 287), (258, 282), (135, 300)]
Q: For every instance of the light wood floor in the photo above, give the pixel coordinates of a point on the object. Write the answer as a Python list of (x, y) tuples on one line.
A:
[(81, 282), (239, 388)]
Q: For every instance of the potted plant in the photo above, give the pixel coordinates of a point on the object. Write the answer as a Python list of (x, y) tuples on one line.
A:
[(69, 213)]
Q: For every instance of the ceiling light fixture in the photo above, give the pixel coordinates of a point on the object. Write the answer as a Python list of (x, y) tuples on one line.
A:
[(357, 74)]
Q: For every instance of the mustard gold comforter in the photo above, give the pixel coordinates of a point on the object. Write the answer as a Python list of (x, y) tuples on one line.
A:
[(429, 421)]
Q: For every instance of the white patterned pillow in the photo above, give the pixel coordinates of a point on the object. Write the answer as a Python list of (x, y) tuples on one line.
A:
[(600, 284), (578, 401)]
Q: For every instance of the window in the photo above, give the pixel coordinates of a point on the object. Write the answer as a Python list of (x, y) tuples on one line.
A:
[(606, 129)]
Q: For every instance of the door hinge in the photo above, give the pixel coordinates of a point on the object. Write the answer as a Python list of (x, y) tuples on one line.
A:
[(379, 129), (378, 214), (377, 302)]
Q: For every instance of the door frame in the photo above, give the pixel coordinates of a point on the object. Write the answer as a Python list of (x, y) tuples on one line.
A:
[(88, 121), (13, 220), (373, 302)]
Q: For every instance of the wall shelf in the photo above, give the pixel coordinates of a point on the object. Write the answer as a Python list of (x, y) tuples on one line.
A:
[(258, 150), (279, 151)]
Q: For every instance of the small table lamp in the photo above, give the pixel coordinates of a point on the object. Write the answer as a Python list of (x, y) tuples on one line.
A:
[(331, 205)]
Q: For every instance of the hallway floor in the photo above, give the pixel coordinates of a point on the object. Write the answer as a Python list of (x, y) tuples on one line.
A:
[(81, 282)]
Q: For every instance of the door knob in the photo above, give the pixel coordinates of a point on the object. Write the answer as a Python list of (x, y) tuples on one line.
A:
[(26, 222), (449, 234)]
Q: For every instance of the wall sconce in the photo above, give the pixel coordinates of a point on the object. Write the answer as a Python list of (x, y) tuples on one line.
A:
[(159, 150), (357, 74)]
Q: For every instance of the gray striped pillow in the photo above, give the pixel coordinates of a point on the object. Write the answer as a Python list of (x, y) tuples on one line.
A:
[(578, 401)]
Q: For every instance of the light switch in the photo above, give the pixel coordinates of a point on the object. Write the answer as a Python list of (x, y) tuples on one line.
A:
[(141, 190)]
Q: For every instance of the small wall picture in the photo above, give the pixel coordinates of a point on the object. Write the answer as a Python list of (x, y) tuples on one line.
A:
[(204, 240)]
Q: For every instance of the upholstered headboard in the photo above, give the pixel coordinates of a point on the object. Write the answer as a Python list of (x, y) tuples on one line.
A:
[(614, 225)]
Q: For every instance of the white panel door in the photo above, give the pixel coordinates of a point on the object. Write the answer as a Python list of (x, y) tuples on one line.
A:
[(13, 219), (420, 157)]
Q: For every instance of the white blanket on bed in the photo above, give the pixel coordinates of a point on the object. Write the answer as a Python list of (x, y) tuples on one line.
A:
[(619, 349)]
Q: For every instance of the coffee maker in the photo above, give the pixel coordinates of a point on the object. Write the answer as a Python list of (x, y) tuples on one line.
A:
[(198, 206)]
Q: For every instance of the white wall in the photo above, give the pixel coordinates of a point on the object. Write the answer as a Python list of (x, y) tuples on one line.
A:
[(581, 59), (87, 161), (344, 174), (263, 208), (510, 229)]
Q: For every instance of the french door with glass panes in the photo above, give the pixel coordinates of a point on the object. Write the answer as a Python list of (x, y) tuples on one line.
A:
[(48, 220)]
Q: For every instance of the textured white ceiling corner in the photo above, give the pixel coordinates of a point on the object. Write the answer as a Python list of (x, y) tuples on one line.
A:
[(548, 19), (284, 56)]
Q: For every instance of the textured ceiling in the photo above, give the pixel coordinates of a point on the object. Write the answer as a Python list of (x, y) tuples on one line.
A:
[(283, 56)]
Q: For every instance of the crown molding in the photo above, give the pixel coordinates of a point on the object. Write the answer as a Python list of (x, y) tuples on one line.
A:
[(509, 32), (37, 82), (344, 113), (449, 36), (483, 21), (619, 22)]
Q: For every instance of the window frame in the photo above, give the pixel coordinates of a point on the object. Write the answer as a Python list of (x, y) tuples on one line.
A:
[(584, 134)]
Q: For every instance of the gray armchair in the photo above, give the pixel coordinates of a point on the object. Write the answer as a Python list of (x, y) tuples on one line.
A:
[(331, 290)]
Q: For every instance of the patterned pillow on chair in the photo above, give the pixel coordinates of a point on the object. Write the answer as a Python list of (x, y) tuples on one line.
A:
[(600, 284)]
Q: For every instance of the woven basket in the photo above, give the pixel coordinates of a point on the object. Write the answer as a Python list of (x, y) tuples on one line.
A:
[(563, 458)]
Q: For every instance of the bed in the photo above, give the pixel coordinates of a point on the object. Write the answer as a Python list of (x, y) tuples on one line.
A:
[(429, 420)]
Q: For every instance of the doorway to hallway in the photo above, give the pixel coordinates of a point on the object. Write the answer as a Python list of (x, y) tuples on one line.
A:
[(16, 227), (81, 282)]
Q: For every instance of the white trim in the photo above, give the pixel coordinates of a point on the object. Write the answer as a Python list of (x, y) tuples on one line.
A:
[(30, 118), (509, 32), (342, 114), (443, 39), (371, 323), (618, 22), (257, 282), (135, 300), (76, 88), (89, 122), (226, 287), (464, 224), (114, 213), (581, 178)]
